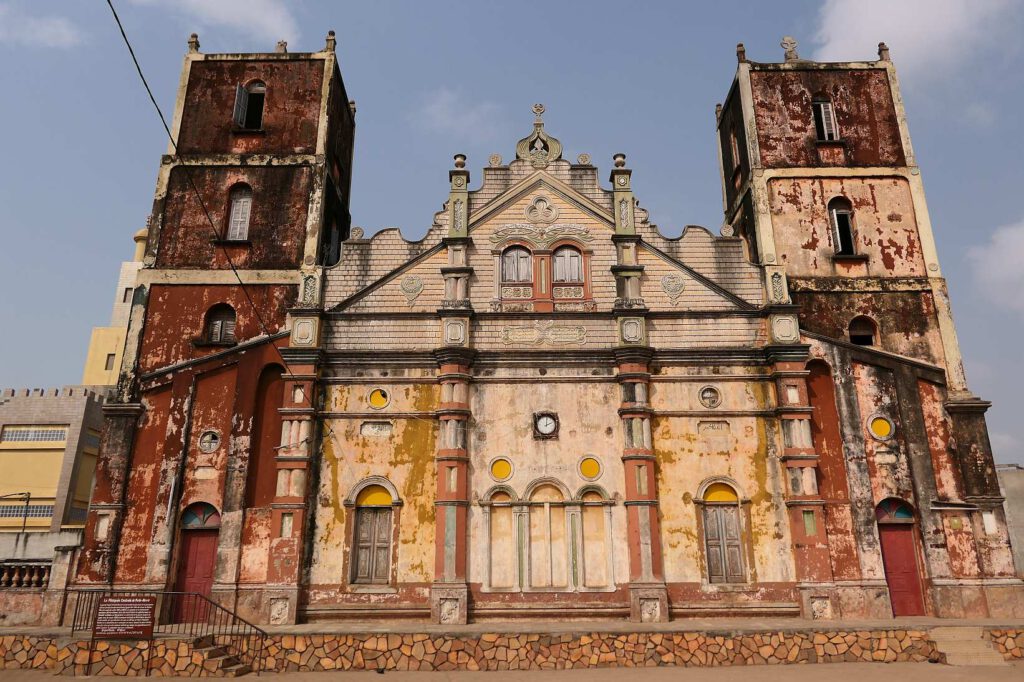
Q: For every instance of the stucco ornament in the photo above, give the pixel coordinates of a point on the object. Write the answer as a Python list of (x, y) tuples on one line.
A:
[(727, 231), (541, 210), (495, 160), (356, 233), (538, 147), (458, 215), (673, 285), (625, 215), (583, 159), (412, 287), (540, 236), (309, 290), (544, 332)]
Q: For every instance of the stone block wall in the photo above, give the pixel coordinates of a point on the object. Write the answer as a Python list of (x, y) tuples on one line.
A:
[(1009, 643), (317, 652)]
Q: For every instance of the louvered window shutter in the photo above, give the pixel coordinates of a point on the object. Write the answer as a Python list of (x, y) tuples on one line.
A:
[(828, 121), (241, 97), (229, 330), (241, 207)]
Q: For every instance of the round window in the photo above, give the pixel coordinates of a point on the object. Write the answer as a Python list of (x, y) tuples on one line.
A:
[(379, 398), (501, 469), (881, 427), (209, 441), (590, 468), (710, 397)]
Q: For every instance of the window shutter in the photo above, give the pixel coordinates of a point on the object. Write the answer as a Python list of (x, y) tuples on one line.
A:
[(713, 544), (828, 121), (241, 207), (215, 330), (240, 101), (229, 330)]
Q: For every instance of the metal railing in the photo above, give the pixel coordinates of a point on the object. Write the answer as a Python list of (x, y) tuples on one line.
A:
[(179, 614)]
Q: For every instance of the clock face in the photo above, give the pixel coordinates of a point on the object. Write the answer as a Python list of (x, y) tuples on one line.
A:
[(546, 424)]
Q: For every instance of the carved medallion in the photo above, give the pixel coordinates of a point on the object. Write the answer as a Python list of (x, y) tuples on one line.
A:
[(673, 285), (412, 287), (710, 397), (541, 210)]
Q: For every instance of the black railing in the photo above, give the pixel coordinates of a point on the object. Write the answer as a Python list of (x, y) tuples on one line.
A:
[(179, 614)]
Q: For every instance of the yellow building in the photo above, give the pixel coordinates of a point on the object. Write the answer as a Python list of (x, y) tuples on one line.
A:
[(103, 361), (49, 441)]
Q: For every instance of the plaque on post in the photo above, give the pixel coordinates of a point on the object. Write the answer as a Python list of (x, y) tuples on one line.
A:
[(124, 617)]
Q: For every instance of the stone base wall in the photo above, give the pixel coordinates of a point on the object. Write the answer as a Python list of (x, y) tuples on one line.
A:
[(1010, 643), (169, 657)]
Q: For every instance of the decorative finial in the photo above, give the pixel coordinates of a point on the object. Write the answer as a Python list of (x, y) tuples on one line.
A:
[(352, 106), (460, 160), (718, 111), (883, 52), (583, 159), (495, 160), (193, 43), (282, 46), (620, 160), (539, 110), (741, 53), (331, 42), (789, 45)]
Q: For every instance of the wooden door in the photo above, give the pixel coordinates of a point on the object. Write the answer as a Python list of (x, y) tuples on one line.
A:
[(373, 545), (195, 574), (900, 559), (723, 544)]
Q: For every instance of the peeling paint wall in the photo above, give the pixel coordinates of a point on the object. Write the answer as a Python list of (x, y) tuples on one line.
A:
[(864, 110)]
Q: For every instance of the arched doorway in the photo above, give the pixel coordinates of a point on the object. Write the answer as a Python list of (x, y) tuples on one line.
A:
[(723, 541), (899, 556), (197, 557)]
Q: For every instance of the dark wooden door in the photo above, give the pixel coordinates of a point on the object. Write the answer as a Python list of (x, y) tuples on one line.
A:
[(723, 544), (900, 559), (373, 545), (195, 574)]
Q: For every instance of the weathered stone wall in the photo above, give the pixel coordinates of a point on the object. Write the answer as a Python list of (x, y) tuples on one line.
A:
[(322, 652), (1009, 643)]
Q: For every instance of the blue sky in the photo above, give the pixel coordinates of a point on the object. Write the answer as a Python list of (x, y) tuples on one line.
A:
[(80, 143)]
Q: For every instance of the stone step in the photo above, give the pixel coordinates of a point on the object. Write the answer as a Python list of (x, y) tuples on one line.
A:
[(968, 659), (955, 632), (236, 670), (964, 646)]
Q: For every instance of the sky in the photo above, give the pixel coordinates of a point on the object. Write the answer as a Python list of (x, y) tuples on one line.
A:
[(80, 143)]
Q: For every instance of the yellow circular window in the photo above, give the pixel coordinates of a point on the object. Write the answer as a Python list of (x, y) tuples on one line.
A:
[(379, 398), (881, 427), (501, 469), (590, 468)]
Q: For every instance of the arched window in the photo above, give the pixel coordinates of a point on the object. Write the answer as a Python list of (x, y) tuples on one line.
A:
[(238, 217), (548, 541), (249, 102), (568, 265), (200, 515), (502, 546), (371, 546), (516, 265), (220, 324), (825, 119), (261, 479), (841, 215), (863, 331), (722, 537), (596, 545)]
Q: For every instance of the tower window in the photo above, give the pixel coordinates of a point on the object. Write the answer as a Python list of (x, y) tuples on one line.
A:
[(841, 214), (516, 265), (127, 296), (220, 324), (825, 120), (241, 208), (109, 364), (863, 331), (249, 101), (568, 265), (734, 148)]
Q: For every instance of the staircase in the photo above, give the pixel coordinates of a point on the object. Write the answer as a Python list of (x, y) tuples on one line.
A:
[(965, 646), (217, 662)]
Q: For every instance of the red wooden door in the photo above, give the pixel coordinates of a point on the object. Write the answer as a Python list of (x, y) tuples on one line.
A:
[(195, 574), (900, 559)]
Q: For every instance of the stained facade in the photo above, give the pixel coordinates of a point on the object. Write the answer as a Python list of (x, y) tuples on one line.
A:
[(545, 407)]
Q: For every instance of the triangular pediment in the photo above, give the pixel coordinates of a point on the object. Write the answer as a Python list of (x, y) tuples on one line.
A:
[(539, 183)]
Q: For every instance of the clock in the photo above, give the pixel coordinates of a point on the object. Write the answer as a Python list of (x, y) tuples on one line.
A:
[(545, 425)]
